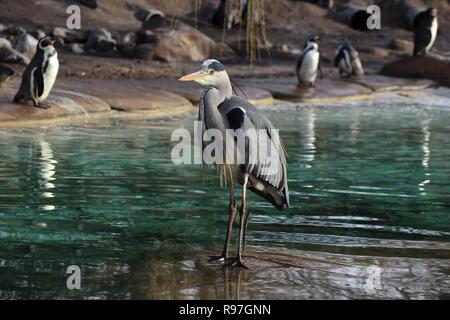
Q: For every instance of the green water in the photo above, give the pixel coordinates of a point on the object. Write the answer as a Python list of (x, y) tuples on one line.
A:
[(369, 186)]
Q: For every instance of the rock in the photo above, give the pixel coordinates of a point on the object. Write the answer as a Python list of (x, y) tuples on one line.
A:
[(186, 44), (144, 51), (402, 45), (127, 41), (222, 50), (89, 3), (100, 40), (152, 19), (38, 34), (5, 73), (376, 51), (11, 55), (14, 31), (146, 36), (77, 48), (70, 36), (427, 67), (2, 28), (26, 44)]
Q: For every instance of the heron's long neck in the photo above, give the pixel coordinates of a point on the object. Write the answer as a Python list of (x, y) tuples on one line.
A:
[(212, 99)]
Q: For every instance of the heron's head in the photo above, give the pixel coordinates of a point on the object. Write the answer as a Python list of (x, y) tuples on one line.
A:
[(45, 45), (212, 74)]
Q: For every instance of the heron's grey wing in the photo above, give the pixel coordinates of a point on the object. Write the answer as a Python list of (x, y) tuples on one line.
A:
[(38, 82), (243, 115)]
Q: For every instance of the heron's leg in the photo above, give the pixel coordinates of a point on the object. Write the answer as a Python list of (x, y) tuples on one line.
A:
[(237, 262), (247, 216), (232, 215)]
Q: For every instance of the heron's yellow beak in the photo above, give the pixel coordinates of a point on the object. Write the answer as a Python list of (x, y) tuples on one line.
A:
[(194, 76)]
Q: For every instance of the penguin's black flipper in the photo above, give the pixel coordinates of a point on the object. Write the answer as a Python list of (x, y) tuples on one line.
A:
[(421, 40), (38, 82), (338, 58)]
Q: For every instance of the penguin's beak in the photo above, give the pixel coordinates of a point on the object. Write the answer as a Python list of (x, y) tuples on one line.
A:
[(194, 76)]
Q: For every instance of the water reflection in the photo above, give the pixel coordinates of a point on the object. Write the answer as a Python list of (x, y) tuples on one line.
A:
[(47, 171), (309, 135), (426, 155)]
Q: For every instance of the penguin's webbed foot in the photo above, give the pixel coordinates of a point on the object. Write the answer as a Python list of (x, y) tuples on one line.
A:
[(42, 105), (220, 258)]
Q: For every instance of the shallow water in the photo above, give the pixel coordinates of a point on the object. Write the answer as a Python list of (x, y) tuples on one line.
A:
[(370, 216)]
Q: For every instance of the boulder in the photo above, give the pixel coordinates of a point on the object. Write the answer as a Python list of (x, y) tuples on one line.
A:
[(89, 3), (38, 34), (146, 36), (101, 41), (70, 36), (14, 31), (401, 45), (26, 44), (188, 44), (11, 55), (5, 74), (77, 48), (427, 67), (127, 41), (144, 51), (152, 19)]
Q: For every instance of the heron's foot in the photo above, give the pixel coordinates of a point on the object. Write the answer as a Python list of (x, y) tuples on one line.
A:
[(220, 258), (235, 263)]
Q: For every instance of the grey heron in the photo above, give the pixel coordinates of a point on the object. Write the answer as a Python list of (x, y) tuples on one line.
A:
[(222, 111)]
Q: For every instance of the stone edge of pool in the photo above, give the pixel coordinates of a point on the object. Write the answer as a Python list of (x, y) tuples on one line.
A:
[(89, 100)]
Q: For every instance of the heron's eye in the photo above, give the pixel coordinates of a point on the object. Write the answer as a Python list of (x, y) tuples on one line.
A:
[(211, 72)]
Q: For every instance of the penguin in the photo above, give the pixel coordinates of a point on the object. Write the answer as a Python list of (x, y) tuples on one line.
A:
[(348, 62), (5, 74), (40, 74), (425, 31), (308, 64)]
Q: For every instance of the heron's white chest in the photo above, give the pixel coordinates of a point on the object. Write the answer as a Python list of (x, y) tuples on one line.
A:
[(433, 29), (50, 76), (310, 64)]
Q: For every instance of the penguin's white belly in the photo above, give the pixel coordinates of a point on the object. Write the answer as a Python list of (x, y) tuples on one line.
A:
[(308, 69), (434, 29), (50, 76)]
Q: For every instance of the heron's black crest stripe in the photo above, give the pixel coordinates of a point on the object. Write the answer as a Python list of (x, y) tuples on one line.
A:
[(236, 118), (216, 66)]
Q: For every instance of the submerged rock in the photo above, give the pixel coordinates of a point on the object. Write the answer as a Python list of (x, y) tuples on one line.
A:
[(26, 44), (100, 40)]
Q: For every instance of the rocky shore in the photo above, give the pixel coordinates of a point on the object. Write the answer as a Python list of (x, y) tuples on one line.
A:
[(126, 59)]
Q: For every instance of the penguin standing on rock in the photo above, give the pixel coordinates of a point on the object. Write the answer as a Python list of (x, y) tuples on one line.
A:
[(425, 31), (40, 75), (308, 64), (348, 62)]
